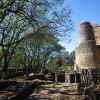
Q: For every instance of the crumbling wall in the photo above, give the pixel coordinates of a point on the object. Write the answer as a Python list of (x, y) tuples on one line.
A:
[(96, 29)]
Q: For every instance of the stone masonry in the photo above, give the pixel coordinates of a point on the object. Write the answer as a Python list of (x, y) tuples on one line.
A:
[(88, 52)]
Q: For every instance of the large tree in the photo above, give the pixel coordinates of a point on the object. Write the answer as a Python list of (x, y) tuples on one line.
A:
[(21, 19), (34, 53)]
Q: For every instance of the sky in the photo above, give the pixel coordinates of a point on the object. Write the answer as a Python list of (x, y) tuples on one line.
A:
[(82, 10)]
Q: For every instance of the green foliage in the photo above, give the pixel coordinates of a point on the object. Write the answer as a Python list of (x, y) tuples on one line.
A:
[(6, 75), (35, 52), (40, 20), (62, 61)]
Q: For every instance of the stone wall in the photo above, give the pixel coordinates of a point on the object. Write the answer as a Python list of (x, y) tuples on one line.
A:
[(96, 29), (90, 76), (87, 55)]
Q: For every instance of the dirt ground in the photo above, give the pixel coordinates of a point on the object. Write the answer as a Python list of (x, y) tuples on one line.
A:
[(56, 91)]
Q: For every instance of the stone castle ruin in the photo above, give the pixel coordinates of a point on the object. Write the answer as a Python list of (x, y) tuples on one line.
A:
[(88, 52)]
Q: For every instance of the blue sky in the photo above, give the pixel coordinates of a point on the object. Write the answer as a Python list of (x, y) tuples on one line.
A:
[(82, 10)]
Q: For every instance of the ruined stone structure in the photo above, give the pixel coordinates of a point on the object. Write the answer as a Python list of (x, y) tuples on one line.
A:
[(88, 52)]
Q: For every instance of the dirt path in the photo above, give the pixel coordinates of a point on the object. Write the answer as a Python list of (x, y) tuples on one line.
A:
[(56, 91)]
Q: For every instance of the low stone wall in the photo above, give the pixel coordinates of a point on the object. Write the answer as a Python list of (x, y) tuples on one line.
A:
[(90, 76), (73, 78), (10, 75), (40, 76), (66, 77), (5, 84)]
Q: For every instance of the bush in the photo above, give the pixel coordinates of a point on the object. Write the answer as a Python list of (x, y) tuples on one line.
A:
[(6, 75)]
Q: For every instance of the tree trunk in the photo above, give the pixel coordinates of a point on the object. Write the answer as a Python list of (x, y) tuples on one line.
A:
[(5, 66)]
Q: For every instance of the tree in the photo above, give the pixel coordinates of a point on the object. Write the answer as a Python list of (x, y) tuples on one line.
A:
[(35, 52), (62, 61), (22, 19), (69, 57)]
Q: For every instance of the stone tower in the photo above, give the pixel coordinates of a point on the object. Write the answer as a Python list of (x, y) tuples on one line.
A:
[(88, 53)]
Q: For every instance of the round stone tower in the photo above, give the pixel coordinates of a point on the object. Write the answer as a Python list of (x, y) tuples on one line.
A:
[(87, 52), (86, 32)]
